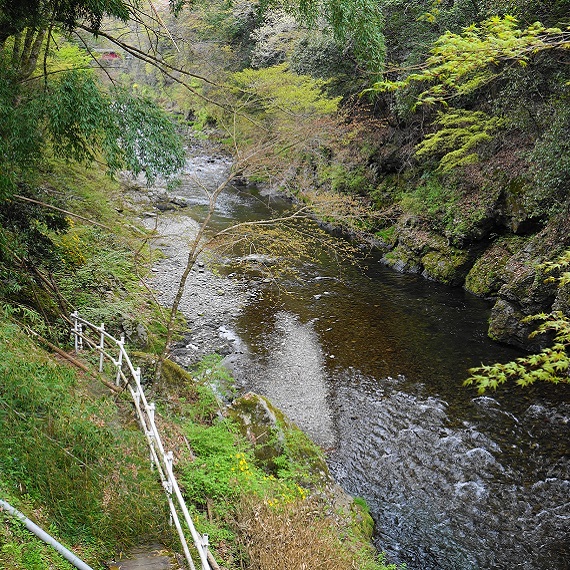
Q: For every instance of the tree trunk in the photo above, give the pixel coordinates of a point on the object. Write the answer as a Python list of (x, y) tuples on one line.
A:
[(195, 249), (30, 60), (28, 38), (16, 51)]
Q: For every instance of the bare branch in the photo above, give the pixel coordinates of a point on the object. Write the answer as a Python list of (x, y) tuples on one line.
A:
[(62, 210)]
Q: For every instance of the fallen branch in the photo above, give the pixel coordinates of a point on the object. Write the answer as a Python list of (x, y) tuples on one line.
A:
[(74, 361)]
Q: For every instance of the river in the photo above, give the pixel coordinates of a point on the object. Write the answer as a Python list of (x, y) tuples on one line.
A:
[(370, 363)]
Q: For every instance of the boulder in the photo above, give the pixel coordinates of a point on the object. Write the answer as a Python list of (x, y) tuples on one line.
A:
[(275, 438)]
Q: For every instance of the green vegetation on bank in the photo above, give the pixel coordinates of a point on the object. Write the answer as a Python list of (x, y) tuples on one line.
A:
[(71, 459)]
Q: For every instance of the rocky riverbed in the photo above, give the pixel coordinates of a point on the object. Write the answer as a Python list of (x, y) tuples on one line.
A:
[(210, 301)]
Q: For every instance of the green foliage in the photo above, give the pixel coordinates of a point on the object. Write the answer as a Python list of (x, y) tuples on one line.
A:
[(75, 116), (358, 22), (350, 181), (458, 136), (142, 138), (65, 449), (21, 141), (388, 235), (16, 16), (278, 119), (552, 364), (321, 56), (19, 548), (460, 64), (278, 91), (431, 198), (28, 247)]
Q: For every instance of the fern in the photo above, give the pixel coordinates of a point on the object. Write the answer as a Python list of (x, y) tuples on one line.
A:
[(459, 134), (460, 64)]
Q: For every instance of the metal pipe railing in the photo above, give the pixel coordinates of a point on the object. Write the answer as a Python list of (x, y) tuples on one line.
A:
[(47, 538), (145, 413)]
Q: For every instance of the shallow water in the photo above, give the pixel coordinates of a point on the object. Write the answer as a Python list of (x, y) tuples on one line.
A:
[(371, 363)]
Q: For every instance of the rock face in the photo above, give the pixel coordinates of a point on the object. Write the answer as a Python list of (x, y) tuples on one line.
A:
[(506, 270), (525, 291)]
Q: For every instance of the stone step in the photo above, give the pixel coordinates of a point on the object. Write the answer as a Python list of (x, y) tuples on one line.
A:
[(145, 558)]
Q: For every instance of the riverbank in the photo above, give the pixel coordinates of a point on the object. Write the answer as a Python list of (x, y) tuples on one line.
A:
[(81, 469)]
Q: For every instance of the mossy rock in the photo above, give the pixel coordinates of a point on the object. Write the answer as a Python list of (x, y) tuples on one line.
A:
[(403, 260), (562, 301), (362, 520), (263, 425), (174, 375), (506, 325), (487, 274), (276, 439), (449, 266)]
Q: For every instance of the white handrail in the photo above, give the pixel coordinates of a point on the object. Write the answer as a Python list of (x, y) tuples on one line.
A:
[(145, 413)]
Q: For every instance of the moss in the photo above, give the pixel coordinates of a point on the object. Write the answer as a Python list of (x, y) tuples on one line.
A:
[(173, 374), (402, 259), (486, 276), (448, 266), (278, 443), (362, 521), (388, 235)]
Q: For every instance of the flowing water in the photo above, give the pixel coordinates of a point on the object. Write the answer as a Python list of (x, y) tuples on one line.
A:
[(370, 363)]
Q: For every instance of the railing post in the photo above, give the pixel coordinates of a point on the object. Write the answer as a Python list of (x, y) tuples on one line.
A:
[(77, 331), (151, 409), (169, 460), (101, 346), (121, 344), (205, 543), (74, 317)]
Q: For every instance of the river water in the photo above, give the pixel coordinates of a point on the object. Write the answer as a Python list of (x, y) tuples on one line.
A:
[(370, 363)]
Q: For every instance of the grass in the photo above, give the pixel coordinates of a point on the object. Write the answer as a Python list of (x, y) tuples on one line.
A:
[(71, 457)]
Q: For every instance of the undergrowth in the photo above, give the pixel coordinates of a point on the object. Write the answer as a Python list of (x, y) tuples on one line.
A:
[(67, 454)]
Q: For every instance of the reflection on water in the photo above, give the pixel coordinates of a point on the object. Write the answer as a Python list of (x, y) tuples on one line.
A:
[(289, 367), (372, 365)]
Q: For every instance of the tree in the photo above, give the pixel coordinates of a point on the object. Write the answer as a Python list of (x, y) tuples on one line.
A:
[(273, 122), (459, 64)]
